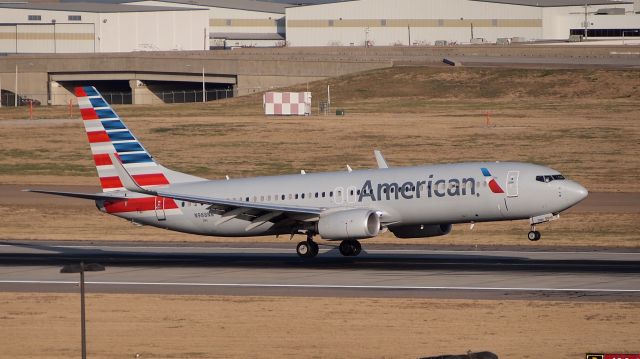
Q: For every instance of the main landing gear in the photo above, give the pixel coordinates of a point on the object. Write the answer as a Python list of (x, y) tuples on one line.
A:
[(350, 248), (308, 248)]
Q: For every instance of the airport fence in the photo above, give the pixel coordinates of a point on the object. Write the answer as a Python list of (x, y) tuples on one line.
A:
[(120, 97)]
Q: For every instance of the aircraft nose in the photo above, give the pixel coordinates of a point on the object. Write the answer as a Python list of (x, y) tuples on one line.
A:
[(574, 192)]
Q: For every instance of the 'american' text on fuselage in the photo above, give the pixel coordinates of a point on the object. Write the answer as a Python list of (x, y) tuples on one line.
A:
[(409, 189)]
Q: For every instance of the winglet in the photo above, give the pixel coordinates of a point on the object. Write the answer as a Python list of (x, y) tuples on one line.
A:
[(380, 159), (127, 181)]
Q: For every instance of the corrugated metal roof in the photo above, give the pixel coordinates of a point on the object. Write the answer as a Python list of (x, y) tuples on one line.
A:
[(556, 3), (246, 36), (252, 5), (93, 7), (537, 3)]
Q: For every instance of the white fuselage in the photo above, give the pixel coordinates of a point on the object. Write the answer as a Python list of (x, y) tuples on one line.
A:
[(434, 194)]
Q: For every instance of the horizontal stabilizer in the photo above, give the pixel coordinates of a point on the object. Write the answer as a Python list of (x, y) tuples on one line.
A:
[(91, 196)]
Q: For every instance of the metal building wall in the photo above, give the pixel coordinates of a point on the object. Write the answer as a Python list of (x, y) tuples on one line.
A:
[(47, 38), (53, 33), (226, 20), (103, 32), (559, 20), (394, 22), (152, 31)]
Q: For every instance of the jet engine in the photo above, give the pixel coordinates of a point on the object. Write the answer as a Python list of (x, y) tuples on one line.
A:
[(421, 230), (349, 224)]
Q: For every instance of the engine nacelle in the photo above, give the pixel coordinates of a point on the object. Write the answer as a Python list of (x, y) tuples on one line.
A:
[(421, 230), (349, 224)]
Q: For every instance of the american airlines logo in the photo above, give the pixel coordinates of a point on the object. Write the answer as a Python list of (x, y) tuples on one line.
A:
[(408, 190)]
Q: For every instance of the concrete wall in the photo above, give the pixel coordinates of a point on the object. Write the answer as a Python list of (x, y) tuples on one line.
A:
[(249, 73)]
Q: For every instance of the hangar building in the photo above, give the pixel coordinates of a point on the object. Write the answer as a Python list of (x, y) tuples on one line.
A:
[(232, 23), (430, 22), (100, 27)]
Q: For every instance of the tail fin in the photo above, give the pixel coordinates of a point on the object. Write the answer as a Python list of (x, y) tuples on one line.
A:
[(107, 134)]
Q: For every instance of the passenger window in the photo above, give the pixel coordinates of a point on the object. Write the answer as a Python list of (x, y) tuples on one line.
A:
[(323, 194), (358, 192), (296, 196), (261, 198), (255, 198), (182, 204), (316, 194), (282, 197), (303, 196), (331, 194), (290, 197), (269, 198)]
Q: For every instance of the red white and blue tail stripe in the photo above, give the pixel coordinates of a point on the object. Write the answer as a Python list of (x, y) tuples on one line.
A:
[(107, 133)]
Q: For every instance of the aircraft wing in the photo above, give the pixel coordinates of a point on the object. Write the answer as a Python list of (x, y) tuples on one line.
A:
[(231, 203), (130, 184)]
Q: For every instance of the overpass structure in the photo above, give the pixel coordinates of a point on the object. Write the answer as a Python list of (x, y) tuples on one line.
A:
[(50, 78)]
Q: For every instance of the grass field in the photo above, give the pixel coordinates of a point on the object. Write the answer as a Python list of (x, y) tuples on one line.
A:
[(582, 122), (121, 326)]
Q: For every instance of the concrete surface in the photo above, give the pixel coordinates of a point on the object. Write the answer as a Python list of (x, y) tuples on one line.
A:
[(380, 271)]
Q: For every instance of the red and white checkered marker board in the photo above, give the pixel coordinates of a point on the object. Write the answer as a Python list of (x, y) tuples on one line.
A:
[(287, 103)]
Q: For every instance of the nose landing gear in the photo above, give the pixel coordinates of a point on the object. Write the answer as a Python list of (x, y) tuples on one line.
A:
[(534, 235)]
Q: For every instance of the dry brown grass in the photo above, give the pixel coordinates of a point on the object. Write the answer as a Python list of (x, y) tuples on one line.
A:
[(36, 325), (569, 120), (597, 152)]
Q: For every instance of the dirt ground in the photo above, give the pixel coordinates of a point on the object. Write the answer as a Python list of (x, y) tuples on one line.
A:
[(36, 325)]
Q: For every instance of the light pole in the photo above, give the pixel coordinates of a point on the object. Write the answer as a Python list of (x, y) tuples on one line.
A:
[(81, 268), (15, 97), (204, 91), (366, 36)]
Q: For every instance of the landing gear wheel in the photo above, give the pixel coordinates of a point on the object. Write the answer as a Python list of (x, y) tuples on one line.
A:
[(357, 248), (303, 249), (314, 248), (534, 236), (350, 248), (307, 249)]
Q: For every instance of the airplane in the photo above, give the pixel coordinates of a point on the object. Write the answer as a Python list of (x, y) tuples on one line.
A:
[(348, 206)]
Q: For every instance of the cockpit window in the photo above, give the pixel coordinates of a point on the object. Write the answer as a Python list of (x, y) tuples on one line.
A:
[(549, 178)]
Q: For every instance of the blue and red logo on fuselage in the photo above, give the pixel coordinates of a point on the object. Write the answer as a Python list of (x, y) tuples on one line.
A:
[(493, 185)]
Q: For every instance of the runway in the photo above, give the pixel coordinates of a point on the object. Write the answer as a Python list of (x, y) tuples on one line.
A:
[(275, 269)]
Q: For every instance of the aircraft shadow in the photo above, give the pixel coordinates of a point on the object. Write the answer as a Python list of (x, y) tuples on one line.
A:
[(59, 255)]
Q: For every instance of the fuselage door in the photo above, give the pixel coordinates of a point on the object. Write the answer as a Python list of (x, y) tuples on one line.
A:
[(512, 183), (160, 209)]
